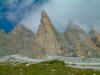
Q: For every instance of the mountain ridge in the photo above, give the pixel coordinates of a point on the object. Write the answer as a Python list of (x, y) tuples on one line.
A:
[(48, 41)]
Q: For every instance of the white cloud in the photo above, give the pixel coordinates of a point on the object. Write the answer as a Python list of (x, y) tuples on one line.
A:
[(24, 3), (83, 12), (16, 9), (11, 16)]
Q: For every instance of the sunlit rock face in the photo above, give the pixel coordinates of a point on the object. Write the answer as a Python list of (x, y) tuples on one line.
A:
[(47, 36)]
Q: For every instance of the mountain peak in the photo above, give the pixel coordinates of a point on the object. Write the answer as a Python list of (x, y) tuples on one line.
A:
[(44, 13), (75, 27), (47, 36), (95, 36), (2, 32), (45, 20), (46, 24)]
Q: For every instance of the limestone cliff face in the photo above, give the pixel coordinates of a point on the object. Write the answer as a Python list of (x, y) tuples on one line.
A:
[(79, 42), (47, 36), (20, 41), (95, 36), (48, 41)]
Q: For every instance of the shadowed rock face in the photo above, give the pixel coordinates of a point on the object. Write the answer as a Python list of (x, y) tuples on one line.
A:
[(48, 41), (95, 36), (79, 42)]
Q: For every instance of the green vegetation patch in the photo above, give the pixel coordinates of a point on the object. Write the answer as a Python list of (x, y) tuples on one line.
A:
[(54, 67)]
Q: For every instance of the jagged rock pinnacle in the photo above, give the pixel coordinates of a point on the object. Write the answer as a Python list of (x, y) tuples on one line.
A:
[(45, 20), (46, 36), (46, 25), (2, 32), (44, 13), (95, 36)]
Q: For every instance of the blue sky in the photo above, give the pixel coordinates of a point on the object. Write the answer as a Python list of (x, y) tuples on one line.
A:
[(28, 12), (13, 11)]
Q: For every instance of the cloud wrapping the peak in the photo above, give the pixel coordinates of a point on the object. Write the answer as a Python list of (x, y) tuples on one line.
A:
[(82, 12)]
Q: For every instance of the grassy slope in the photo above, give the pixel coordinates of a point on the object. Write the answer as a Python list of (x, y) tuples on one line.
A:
[(54, 67)]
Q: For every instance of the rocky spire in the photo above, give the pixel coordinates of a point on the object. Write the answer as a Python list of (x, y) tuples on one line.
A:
[(95, 36), (47, 35), (80, 42), (45, 19), (46, 25), (2, 32)]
